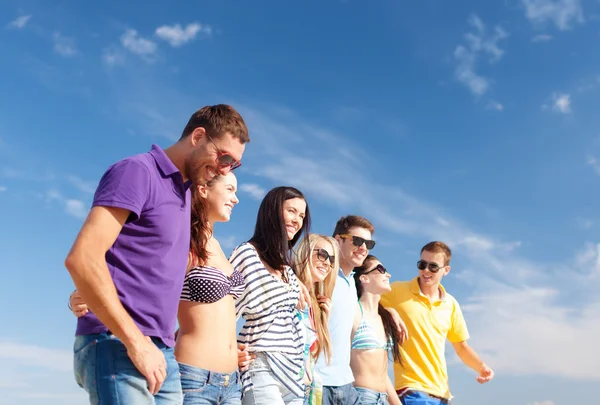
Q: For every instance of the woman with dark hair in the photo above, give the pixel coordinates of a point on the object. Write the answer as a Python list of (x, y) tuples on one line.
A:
[(272, 332), (374, 336)]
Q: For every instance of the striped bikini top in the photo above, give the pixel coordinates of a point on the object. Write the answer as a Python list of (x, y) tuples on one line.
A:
[(208, 284), (365, 337)]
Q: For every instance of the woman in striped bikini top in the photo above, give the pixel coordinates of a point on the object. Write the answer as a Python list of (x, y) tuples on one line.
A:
[(374, 336)]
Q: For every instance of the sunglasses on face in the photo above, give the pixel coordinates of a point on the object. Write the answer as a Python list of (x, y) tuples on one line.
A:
[(379, 268), (358, 241), (433, 267), (224, 159), (324, 256)]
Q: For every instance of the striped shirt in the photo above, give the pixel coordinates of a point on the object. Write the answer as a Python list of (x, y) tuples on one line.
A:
[(268, 306)]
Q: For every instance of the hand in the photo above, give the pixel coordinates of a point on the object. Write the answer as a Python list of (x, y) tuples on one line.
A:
[(325, 303), (304, 299), (149, 361), (485, 374), (77, 304), (244, 357), (399, 325)]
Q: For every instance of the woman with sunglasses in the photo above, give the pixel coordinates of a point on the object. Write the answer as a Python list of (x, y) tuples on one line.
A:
[(316, 265), (206, 348), (374, 336), (272, 332)]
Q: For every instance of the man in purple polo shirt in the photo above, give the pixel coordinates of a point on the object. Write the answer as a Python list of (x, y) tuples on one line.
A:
[(129, 260)]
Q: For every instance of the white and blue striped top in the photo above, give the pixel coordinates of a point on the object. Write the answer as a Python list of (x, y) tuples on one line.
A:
[(268, 306)]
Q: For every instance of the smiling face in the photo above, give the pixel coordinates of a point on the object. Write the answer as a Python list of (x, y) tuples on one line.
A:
[(294, 211), (351, 255), (221, 197), (428, 279), (203, 161), (374, 280), (320, 266)]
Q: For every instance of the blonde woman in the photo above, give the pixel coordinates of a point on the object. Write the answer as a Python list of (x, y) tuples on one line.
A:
[(316, 258)]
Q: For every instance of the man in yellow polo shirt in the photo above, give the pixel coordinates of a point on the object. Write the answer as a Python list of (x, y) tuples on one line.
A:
[(431, 316)]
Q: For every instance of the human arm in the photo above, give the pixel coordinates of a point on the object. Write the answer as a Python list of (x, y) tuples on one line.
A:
[(393, 398), (87, 266), (468, 356)]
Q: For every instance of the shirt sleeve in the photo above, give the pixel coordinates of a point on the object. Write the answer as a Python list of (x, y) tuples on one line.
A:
[(243, 259), (126, 184), (458, 329)]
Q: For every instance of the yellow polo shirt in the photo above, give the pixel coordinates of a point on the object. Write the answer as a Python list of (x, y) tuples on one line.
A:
[(423, 365)]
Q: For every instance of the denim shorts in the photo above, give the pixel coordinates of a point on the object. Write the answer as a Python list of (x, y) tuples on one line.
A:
[(105, 371), (266, 388), (342, 395), (372, 397), (205, 387)]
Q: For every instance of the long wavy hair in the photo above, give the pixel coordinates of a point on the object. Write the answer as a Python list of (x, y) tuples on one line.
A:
[(303, 263), (270, 237), (388, 323), (201, 231)]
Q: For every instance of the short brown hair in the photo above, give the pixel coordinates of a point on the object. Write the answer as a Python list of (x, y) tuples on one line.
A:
[(352, 221), (217, 120), (438, 247)]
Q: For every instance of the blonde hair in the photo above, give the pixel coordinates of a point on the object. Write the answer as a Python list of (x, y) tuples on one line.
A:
[(302, 266)]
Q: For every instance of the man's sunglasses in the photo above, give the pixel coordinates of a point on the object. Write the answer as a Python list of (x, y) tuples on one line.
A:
[(224, 159), (358, 241), (379, 268), (324, 256), (433, 267)]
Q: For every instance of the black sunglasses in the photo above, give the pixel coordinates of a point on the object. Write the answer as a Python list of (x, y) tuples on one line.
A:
[(433, 267), (324, 256), (358, 241), (379, 268), (224, 159)]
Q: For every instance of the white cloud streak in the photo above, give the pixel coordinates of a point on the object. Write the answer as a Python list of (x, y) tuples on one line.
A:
[(53, 359), (257, 192), (20, 22), (176, 35), (494, 105), (75, 208), (478, 43), (136, 44), (64, 46), (2, 188), (561, 102), (563, 13), (541, 38)]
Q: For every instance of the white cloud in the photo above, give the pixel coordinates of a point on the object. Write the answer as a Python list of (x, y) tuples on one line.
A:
[(113, 56), (53, 359), (592, 161), (541, 38), (542, 403), (257, 192), (228, 242), (176, 35), (2, 188), (563, 13), (64, 46), (20, 22), (478, 42), (138, 45), (87, 187), (73, 207), (561, 102), (494, 105), (584, 223), (76, 208)]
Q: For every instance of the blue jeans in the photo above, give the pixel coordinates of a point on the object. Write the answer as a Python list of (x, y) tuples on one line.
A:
[(204, 387), (421, 398), (343, 395), (105, 371), (372, 397)]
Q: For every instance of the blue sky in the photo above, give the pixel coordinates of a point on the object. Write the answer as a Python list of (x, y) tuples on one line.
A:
[(470, 122)]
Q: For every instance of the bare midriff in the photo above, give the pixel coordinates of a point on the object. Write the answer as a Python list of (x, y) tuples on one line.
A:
[(370, 369), (207, 335)]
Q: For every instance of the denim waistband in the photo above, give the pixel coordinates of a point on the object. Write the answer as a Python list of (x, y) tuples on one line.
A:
[(373, 393), (211, 377)]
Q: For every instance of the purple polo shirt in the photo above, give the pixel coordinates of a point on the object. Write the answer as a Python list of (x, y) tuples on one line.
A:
[(148, 260)]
